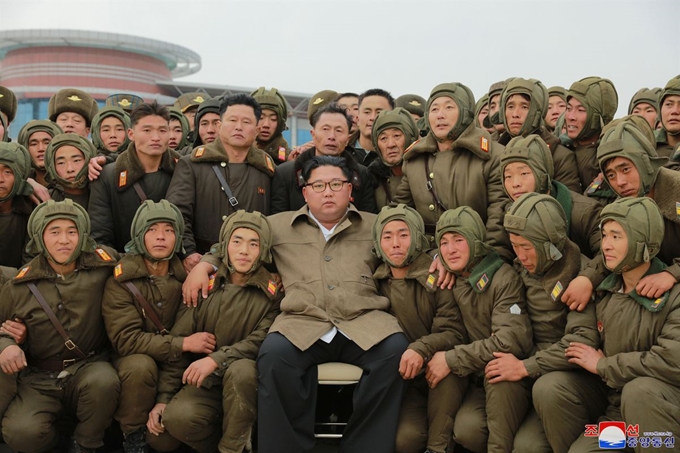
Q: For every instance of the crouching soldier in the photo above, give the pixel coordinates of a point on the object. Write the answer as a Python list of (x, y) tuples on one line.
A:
[(547, 262), (640, 356), (58, 296), (491, 299), (431, 321), (139, 307), (216, 407)]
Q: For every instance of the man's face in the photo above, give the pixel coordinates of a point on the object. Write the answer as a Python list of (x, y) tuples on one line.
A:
[(670, 113), (269, 121), (61, 239), (243, 249), (556, 106), (518, 179), (647, 111), (190, 113), (175, 134), (351, 104), (239, 127), (525, 251), (455, 251), (395, 241), (150, 135), (614, 244), (112, 133), (2, 130), (71, 122), (391, 143), (443, 115), (160, 239), (37, 145), (516, 112), (68, 161), (208, 127), (368, 110), (6, 180), (494, 106), (330, 134), (327, 206), (575, 117), (623, 176)]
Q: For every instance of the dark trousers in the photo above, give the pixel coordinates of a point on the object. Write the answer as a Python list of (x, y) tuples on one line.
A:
[(287, 393)]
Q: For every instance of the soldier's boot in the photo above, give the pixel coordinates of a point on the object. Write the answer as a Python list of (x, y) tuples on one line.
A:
[(75, 447), (135, 442)]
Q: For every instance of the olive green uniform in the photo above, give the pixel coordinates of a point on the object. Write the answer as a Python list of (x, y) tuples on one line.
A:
[(197, 192), (432, 322), (223, 410), (136, 340), (87, 387), (8, 383)]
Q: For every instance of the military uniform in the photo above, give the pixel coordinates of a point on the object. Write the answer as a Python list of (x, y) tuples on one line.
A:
[(114, 200), (125, 101), (60, 188), (223, 409), (197, 192), (25, 133), (663, 148), (8, 382), (183, 147), (492, 303), (56, 377), (8, 109), (13, 224), (540, 219), (110, 154), (277, 146)]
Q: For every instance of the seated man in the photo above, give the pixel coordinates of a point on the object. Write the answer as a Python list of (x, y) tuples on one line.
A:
[(216, 408), (139, 306), (331, 312), (491, 299), (431, 321), (547, 262), (62, 370), (640, 355)]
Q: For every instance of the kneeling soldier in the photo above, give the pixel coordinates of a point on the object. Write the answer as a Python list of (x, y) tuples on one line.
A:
[(139, 307), (431, 321), (65, 368), (218, 404)]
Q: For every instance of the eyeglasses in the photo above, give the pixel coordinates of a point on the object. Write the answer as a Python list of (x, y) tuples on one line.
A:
[(320, 186)]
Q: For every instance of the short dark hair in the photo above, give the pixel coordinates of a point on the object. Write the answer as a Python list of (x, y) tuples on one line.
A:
[(326, 161), (241, 99), (345, 95), (377, 92), (149, 109), (333, 107)]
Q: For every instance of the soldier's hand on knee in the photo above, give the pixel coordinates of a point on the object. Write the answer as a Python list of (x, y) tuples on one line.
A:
[(199, 343), (653, 286), (410, 364), (505, 367), (155, 422), (437, 369), (584, 356), (12, 360), (16, 329), (198, 371), (197, 282), (578, 293)]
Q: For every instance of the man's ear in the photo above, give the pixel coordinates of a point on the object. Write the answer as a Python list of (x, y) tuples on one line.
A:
[(131, 134)]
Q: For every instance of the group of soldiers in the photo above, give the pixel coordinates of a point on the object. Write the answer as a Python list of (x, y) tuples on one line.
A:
[(505, 272)]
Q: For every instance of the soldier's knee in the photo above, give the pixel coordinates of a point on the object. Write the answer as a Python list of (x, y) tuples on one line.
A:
[(550, 391), (29, 435), (241, 375), (185, 419), (99, 379), (469, 431), (409, 439), (637, 393), (163, 442), (138, 368)]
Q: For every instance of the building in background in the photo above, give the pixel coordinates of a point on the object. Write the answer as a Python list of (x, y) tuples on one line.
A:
[(37, 63)]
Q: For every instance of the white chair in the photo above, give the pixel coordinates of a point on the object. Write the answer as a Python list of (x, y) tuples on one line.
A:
[(336, 373)]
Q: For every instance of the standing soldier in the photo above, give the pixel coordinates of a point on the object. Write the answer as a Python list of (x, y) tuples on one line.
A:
[(188, 104), (110, 133), (371, 102), (272, 123), (492, 303), (413, 104), (15, 206), (393, 132), (179, 132), (668, 137), (456, 164), (66, 164), (125, 101), (72, 110), (557, 105), (65, 368), (8, 110), (645, 102), (36, 136), (206, 123), (431, 321), (216, 407), (523, 104), (217, 179), (140, 302)]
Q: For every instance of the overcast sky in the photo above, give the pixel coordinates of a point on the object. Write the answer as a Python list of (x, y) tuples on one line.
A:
[(402, 46)]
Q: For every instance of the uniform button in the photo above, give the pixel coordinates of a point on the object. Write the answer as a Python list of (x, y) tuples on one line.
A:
[(159, 304), (431, 175), (327, 258), (60, 306), (331, 287), (224, 364), (223, 164), (224, 217), (431, 207), (431, 238)]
